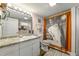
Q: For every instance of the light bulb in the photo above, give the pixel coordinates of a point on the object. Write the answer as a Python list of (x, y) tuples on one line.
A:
[(50, 21), (16, 8), (25, 18), (20, 9), (63, 17)]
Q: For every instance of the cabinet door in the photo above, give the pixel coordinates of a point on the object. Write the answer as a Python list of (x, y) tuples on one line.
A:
[(26, 51), (26, 48), (13, 53), (36, 48), (12, 50)]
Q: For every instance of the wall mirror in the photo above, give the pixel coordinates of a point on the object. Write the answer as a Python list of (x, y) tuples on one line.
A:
[(58, 28), (25, 27), (15, 23)]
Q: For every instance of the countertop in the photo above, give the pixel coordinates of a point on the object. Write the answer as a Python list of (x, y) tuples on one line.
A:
[(14, 40)]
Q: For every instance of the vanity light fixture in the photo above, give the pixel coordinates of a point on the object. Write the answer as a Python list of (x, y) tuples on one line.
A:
[(52, 4)]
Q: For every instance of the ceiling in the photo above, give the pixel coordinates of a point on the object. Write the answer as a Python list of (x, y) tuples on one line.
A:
[(43, 9)]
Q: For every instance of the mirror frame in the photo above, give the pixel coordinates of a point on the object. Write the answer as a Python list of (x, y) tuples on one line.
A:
[(68, 31)]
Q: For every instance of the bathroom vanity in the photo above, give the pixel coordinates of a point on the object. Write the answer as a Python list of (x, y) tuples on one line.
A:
[(24, 46)]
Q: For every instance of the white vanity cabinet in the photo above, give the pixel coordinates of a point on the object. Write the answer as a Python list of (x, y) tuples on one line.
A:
[(12, 50), (30, 48)]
